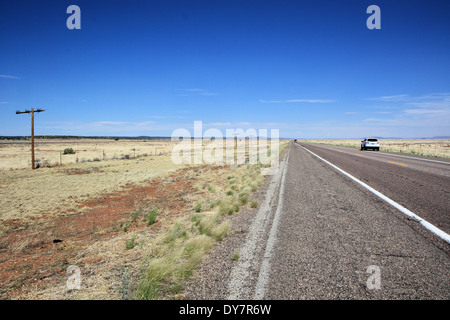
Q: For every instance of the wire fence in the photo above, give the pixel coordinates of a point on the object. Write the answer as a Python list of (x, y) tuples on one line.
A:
[(18, 157), (51, 154)]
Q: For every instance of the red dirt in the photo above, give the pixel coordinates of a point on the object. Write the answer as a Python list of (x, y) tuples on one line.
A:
[(30, 257)]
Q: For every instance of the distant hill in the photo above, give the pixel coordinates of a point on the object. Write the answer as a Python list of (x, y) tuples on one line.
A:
[(81, 137), (104, 137)]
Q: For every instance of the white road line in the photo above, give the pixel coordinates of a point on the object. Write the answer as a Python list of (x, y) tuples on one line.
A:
[(264, 271), (238, 285), (441, 234)]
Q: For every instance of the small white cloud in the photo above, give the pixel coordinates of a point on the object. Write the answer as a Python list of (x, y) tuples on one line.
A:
[(121, 123), (427, 111), (196, 92), (445, 96), (193, 90), (8, 76), (299, 100), (373, 120), (105, 123), (144, 123), (244, 123), (219, 124), (432, 109), (398, 97)]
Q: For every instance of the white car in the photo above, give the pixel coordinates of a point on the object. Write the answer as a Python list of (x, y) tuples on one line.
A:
[(370, 143)]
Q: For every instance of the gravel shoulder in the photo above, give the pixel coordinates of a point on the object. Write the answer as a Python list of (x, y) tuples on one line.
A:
[(231, 270), (210, 280)]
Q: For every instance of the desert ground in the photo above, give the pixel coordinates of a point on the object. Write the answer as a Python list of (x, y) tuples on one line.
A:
[(134, 223), (425, 147), (16, 154)]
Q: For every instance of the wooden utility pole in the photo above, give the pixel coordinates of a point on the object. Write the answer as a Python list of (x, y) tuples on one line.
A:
[(33, 166), (235, 152)]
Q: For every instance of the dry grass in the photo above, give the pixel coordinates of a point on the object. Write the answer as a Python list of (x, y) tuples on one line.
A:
[(48, 152), (183, 248), (55, 191), (158, 262), (16, 154), (194, 235), (426, 147), (147, 260)]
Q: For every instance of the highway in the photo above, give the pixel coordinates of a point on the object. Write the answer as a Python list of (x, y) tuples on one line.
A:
[(321, 235), (420, 184)]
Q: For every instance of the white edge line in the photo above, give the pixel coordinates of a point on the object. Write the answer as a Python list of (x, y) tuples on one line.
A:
[(263, 277), (238, 287), (441, 234)]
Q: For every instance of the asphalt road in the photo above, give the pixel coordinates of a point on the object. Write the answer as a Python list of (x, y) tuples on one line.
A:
[(320, 235), (420, 184), (333, 231)]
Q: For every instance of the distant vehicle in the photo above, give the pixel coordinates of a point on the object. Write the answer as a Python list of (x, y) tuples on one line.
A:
[(370, 143)]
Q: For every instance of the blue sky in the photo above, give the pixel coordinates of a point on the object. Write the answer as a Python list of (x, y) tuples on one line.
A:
[(311, 69)]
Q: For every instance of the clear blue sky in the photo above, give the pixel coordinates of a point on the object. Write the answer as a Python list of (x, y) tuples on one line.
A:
[(311, 69)]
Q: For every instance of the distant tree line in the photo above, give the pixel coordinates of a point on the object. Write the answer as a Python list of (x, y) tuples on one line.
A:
[(82, 137)]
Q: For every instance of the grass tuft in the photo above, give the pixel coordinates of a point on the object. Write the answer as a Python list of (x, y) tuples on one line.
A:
[(243, 197), (221, 231), (236, 256), (130, 243), (151, 217)]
